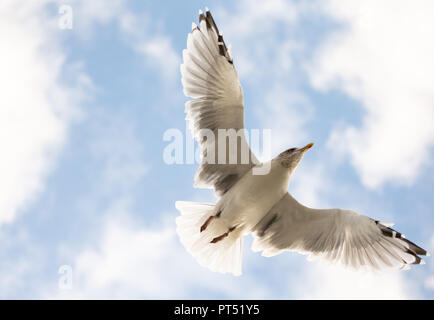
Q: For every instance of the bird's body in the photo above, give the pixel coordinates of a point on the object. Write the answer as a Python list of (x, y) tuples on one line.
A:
[(258, 203), (249, 200)]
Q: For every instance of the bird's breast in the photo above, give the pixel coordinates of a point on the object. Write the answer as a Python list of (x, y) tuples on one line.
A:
[(249, 200)]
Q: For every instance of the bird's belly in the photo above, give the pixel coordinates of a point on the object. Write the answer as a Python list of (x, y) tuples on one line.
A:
[(251, 199)]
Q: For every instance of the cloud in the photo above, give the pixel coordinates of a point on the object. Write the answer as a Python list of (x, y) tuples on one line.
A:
[(36, 107), (321, 281), (130, 259), (251, 28), (382, 58), (89, 14), (155, 46), (160, 53), (286, 112), (139, 30), (135, 261), (310, 183)]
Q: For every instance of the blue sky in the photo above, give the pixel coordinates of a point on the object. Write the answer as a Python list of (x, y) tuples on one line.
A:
[(84, 111)]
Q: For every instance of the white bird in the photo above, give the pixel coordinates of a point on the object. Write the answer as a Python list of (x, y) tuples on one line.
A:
[(261, 204)]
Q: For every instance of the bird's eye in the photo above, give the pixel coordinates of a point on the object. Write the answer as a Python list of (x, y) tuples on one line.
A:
[(290, 150)]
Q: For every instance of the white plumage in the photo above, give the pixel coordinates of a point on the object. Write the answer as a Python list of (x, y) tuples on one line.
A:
[(260, 204)]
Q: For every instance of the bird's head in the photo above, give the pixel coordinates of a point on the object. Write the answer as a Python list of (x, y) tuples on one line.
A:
[(292, 157)]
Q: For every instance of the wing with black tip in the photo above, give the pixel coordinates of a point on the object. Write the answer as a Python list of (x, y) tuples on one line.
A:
[(336, 235), (210, 79)]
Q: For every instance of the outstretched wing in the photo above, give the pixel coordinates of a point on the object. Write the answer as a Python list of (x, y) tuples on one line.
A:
[(210, 78), (337, 235)]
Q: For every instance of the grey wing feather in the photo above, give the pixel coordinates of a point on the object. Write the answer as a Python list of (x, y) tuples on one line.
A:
[(210, 78), (336, 235)]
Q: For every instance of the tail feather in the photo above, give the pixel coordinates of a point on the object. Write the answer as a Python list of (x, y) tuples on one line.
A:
[(224, 256)]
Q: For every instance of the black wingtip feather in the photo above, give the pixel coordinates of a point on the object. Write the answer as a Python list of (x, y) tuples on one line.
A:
[(210, 21), (210, 24), (414, 249), (201, 17)]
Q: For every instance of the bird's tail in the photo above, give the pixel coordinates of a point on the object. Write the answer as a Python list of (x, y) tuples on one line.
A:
[(222, 256)]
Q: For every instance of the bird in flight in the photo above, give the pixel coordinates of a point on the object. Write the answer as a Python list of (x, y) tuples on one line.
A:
[(260, 203)]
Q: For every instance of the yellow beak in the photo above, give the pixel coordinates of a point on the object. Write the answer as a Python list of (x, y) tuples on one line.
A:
[(307, 147)]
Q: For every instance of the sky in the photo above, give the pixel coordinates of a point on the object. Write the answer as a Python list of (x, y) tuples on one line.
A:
[(89, 89)]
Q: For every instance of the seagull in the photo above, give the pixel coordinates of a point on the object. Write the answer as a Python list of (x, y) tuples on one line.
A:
[(259, 204)]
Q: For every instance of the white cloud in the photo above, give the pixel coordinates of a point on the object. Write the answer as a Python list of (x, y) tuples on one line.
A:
[(35, 107), (97, 10), (286, 112), (253, 31), (321, 281), (134, 261), (131, 259), (139, 31), (160, 53), (309, 183), (429, 282), (87, 15), (382, 57)]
